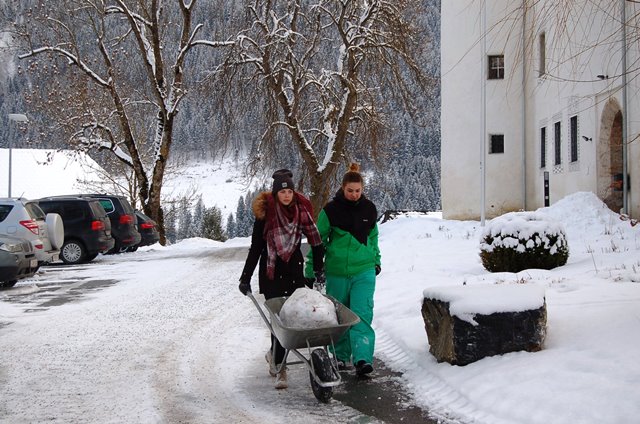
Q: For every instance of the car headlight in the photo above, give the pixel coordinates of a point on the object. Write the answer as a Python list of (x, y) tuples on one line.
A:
[(10, 247)]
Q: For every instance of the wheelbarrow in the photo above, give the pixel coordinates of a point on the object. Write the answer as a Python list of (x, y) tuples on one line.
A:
[(323, 369)]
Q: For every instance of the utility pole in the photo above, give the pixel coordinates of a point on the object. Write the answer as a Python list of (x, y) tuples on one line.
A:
[(18, 117)]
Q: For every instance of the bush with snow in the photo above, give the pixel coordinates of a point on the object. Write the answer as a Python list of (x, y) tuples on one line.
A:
[(307, 308), (523, 240)]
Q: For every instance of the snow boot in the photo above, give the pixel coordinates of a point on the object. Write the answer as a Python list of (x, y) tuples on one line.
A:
[(281, 379), (363, 368), (343, 365), (272, 367)]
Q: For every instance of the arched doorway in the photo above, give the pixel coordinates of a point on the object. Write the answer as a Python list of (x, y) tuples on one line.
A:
[(610, 156)]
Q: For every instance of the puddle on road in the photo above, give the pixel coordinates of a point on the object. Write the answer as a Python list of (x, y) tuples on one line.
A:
[(42, 296), (76, 293)]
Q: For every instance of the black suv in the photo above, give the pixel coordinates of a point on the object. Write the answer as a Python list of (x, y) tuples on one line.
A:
[(123, 220), (148, 230), (87, 229)]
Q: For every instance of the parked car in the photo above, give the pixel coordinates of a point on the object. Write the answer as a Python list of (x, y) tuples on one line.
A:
[(17, 260), (123, 220), (87, 229), (148, 230), (8, 269), (24, 219)]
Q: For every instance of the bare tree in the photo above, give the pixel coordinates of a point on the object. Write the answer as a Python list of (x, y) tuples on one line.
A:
[(324, 71), (126, 64), (564, 29)]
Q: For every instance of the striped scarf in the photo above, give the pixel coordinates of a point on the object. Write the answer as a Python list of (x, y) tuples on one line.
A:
[(284, 228)]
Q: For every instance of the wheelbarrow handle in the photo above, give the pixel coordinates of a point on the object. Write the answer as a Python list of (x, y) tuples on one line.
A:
[(264, 316)]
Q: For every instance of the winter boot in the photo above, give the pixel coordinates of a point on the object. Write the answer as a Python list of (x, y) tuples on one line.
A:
[(272, 367), (363, 368), (281, 379), (342, 365)]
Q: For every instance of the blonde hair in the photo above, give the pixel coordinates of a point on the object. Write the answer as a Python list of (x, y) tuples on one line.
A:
[(352, 175)]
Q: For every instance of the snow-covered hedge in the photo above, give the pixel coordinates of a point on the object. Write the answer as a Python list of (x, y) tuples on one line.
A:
[(523, 240)]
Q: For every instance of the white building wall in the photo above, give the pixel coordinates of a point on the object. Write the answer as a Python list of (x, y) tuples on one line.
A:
[(463, 52), (460, 109), (587, 43)]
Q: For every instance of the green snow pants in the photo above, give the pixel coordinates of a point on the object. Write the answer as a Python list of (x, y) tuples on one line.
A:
[(356, 293)]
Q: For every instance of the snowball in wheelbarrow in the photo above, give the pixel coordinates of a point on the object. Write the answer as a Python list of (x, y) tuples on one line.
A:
[(307, 308)]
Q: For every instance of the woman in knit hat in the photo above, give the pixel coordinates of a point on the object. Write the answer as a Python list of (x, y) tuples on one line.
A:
[(349, 231), (282, 217)]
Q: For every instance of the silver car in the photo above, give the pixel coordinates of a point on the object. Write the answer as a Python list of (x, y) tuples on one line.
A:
[(24, 219), (17, 260)]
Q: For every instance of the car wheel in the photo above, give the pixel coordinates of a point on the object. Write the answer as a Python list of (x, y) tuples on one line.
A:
[(72, 252), (7, 284), (55, 230)]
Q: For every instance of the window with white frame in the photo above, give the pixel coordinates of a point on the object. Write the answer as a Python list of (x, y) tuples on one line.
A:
[(496, 67)]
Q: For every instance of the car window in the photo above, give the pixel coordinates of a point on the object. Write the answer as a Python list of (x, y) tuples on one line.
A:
[(35, 212), (107, 205), (4, 211), (128, 209), (97, 209), (73, 210), (50, 207)]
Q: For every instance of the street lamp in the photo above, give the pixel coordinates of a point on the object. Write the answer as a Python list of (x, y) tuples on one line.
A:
[(18, 117)]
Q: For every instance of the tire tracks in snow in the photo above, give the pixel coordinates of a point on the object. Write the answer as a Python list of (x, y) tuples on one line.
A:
[(216, 372), (444, 403)]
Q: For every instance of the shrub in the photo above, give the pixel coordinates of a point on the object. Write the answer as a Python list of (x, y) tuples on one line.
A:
[(523, 240)]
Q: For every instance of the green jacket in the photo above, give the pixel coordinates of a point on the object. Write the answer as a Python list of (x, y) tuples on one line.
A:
[(344, 254)]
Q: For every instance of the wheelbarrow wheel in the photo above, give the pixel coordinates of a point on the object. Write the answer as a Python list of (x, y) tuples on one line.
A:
[(322, 366)]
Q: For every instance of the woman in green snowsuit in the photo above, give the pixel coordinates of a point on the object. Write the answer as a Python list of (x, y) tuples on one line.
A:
[(349, 232)]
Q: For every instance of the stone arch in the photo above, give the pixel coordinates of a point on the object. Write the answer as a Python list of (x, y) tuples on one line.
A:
[(609, 156)]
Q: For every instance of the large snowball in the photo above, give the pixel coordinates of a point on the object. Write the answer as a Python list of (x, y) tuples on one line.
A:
[(307, 308)]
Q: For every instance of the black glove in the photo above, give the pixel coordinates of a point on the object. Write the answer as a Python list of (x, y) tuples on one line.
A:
[(245, 286), (378, 269), (320, 281)]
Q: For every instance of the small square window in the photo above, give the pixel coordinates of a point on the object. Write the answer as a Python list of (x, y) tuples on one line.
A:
[(497, 143), (496, 67)]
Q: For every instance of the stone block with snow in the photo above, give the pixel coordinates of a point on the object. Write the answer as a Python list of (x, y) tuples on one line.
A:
[(467, 323)]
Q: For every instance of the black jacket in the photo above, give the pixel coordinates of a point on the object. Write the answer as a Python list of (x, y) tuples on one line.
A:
[(288, 275)]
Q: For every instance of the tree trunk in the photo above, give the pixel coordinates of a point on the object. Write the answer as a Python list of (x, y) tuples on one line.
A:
[(153, 204), (320, 190)]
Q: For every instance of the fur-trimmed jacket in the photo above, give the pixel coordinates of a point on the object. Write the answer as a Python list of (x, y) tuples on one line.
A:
[(289, 275)]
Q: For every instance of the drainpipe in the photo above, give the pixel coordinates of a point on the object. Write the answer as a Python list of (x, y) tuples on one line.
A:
[(523, 124), (625, 107), (483, 107)]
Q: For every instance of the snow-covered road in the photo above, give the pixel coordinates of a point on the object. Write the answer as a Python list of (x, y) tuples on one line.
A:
[(171, 341)]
